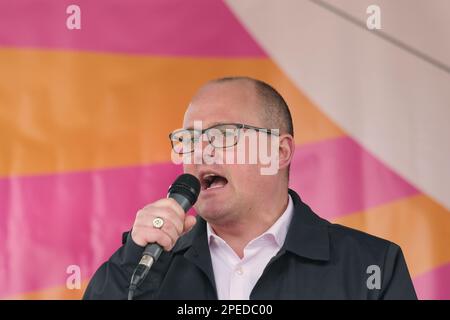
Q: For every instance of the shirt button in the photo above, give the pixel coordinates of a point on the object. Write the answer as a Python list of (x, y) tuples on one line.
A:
[(239, 271)]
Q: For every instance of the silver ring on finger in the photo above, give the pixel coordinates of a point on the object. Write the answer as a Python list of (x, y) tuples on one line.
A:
[(158, 222)]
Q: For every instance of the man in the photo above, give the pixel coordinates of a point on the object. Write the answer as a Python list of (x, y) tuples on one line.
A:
[(253, 238)]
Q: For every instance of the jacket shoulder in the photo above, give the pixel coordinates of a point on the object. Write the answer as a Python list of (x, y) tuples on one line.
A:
[(359, 243), (342, 232)]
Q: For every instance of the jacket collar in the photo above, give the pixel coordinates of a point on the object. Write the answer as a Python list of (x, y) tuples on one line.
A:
[(307, 237), (308, 233)]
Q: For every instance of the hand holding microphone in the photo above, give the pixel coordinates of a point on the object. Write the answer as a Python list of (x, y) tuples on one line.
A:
[(160, 224)]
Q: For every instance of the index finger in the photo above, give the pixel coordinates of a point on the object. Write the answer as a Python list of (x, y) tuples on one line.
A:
[(171, 203)]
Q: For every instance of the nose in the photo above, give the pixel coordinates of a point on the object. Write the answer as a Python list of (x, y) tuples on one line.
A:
[(203, 150)]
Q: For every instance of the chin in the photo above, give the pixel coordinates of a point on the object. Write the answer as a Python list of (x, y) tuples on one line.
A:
[(211, 213)]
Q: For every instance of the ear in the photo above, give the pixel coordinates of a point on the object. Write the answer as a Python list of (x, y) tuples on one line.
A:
[(286, 151)]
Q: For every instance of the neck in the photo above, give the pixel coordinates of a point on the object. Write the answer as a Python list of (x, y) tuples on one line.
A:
[(252, 221)]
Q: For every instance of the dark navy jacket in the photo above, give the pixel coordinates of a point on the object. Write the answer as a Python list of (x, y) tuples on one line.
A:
[(318, 260)]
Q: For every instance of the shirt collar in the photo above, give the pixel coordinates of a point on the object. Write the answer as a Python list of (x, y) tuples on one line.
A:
[(307, 235), (277, 231)]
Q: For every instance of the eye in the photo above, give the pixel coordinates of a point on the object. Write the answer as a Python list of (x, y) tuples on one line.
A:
[(228, 132), (189, 139), (185, 137)]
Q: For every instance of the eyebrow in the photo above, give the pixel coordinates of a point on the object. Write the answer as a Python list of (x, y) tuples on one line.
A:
[(211, 125)]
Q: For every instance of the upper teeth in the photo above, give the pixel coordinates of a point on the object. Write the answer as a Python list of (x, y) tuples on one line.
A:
[(208, 178), (209, 175)]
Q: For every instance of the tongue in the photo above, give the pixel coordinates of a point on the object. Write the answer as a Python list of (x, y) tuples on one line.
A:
[(218, 183)]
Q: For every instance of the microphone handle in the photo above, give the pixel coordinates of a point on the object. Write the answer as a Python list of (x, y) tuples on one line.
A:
[(181, 200), (154, 250)]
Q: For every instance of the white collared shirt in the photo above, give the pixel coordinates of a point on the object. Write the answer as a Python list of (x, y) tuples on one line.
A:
[(236, 277)]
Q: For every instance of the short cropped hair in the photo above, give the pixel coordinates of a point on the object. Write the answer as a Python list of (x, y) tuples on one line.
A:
[(276, 111)]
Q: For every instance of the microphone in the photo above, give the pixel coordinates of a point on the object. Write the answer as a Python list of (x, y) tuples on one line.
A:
[(184, 190)]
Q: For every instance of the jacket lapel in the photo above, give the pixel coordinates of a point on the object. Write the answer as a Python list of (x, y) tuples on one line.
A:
[(197, 250)]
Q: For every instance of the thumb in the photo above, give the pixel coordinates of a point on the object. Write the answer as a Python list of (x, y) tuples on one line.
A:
[(189, 223)]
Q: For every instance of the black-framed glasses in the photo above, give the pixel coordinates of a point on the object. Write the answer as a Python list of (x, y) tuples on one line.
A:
[(223, 135)]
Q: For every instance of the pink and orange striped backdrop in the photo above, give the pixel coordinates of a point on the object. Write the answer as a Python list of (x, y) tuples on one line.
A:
[(84, 118)]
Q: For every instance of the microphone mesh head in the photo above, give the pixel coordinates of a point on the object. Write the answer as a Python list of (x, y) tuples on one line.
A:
[(187, 185)]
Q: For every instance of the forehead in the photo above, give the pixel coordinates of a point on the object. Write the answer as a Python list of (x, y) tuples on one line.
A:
[(224, 102)]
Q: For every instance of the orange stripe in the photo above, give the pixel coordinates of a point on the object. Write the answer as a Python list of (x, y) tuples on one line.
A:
[(418, 224), (63, 111), (54, 293)]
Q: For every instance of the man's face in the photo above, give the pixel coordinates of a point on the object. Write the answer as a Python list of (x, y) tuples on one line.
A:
[(227, 189)]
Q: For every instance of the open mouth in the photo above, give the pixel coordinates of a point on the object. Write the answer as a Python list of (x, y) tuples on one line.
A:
[(211, 181)]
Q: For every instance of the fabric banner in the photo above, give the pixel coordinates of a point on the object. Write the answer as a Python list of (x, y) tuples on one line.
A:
[(89, 91)]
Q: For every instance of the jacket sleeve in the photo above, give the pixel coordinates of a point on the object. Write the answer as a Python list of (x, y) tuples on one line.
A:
[(397, 283), (112, 279)]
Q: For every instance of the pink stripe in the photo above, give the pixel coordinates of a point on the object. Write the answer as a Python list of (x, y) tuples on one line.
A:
[(434, 284), (77, 218), (337, 177), (50, 222), (157, 27)]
